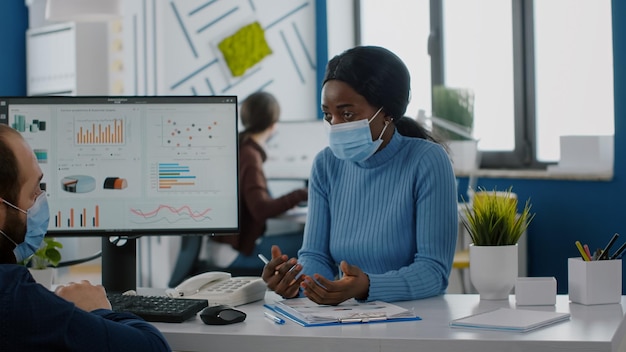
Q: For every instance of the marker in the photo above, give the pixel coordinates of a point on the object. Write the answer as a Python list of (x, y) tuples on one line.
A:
[(275, 319), (582, 251), (262, 257), (605, 252)]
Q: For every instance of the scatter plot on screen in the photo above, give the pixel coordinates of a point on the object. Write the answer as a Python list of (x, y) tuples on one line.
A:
[(188, 133)]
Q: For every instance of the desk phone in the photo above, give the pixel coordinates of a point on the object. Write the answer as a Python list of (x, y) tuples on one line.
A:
[(219, 288)]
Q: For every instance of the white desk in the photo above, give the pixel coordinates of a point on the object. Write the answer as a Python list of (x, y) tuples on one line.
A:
[(591, 328)]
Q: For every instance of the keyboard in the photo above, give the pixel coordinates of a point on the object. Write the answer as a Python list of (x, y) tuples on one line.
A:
[(157, 308)]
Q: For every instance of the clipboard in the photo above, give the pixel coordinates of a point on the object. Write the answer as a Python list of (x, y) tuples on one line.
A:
[(307, 313), (509, 319)]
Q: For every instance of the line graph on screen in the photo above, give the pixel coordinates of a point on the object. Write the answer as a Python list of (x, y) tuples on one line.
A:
[(170, 214)]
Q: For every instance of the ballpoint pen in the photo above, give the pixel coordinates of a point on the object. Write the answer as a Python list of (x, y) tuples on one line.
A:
[(605, 252), (618, 252), (582, 251), (275, 319), (263, 258)]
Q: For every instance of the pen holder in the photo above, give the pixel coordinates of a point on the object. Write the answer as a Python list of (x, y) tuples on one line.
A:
[(594, 282)]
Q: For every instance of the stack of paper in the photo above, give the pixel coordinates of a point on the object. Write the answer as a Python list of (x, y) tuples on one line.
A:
[(308, 313), (508, 319)]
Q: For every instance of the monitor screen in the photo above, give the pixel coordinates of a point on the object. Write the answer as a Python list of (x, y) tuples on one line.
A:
[(133, 165)]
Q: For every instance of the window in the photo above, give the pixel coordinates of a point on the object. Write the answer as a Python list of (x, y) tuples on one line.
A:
[(539, 69), (478, 54), (406, 34), (573, 70)]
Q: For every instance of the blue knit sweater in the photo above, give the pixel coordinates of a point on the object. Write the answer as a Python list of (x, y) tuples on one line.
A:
[(393, 215)]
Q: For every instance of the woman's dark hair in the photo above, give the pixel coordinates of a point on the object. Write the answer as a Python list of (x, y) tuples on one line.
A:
[(375, 73), (258, 111), (382, 79), (407, 126)]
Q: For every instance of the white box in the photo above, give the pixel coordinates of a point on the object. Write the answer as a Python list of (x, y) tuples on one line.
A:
[(585, 154), (535, 291), (594, 282)]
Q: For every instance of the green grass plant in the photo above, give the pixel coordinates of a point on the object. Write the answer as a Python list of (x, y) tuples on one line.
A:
[(492, 218)]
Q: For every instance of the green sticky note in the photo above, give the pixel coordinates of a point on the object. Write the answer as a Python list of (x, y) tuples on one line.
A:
[(245, 48)]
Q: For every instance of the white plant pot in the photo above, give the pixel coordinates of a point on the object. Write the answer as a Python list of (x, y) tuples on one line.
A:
[(45, 277), (493, 270)]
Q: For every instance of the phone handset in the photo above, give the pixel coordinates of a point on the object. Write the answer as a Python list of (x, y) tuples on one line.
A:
[(193, 285)]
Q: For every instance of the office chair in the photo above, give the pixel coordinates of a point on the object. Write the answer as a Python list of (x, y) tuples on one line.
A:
[(188, 263)]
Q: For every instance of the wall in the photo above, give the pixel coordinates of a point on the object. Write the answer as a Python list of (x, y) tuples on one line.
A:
[(13, 25), (171, 48)]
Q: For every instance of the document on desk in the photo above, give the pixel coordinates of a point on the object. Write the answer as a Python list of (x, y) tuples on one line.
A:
[(305, 312), (509, 319)]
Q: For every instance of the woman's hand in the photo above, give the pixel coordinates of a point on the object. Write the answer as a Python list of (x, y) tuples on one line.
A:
[(280, 274), (353, 284)]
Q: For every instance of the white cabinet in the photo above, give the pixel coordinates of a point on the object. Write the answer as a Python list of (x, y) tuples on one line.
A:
[(67, 59)]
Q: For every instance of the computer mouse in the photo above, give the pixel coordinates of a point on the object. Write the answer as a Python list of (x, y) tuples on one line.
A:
[(221, 315)]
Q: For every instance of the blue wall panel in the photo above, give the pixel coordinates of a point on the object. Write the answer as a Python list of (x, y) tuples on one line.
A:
[(13, 25)]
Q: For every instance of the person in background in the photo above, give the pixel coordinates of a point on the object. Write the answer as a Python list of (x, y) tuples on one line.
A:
[(259, 114), (77, 316), (382, 209)]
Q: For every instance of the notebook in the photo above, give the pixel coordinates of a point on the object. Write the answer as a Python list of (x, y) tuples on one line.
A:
[(305, 312), (509, 319)]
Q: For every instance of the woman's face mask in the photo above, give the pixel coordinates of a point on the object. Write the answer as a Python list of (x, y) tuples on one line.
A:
[(352, 141), (37, 218)]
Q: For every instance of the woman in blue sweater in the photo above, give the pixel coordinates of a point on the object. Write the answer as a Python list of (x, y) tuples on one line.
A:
[(382, 221)]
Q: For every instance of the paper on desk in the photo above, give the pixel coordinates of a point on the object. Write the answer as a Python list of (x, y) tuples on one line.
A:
[(509, 319), (308, 313)]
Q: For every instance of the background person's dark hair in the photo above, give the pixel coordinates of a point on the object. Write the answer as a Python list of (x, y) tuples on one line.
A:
[(9, 186), (258, 111)]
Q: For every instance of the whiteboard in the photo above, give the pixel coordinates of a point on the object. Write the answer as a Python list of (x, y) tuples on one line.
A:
[(293, 147)]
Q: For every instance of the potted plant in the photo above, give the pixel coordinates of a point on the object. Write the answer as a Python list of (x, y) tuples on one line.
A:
[(44, 260), (456, 107), (495, 226)]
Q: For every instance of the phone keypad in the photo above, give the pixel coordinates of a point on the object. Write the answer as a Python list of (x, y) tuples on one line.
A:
[(229, 286)]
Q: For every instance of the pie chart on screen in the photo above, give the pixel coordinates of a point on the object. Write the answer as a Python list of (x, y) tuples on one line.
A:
[(78, 184), (115, 183)]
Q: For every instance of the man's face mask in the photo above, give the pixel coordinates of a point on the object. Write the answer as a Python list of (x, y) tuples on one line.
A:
[(37, 218), (352, 141)]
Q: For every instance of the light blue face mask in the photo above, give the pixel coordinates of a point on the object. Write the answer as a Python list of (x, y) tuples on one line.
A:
[(37, 218), (352, 141)]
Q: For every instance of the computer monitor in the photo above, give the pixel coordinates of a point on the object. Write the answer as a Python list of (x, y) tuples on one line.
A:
[(123, 167)]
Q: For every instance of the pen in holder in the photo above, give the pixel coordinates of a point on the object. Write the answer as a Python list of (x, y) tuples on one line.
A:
[(594, 282)]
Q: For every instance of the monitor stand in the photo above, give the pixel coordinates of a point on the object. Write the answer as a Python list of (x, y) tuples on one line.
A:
[(119, 264)]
